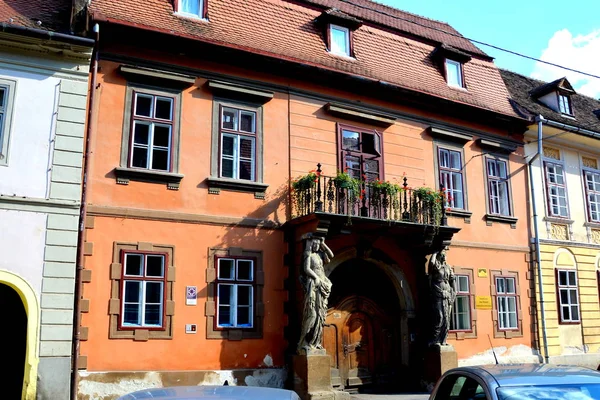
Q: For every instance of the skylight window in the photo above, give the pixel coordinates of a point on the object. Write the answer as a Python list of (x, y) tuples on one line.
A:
[(564, 104), (339, 38), (454, 75), (191, 7)]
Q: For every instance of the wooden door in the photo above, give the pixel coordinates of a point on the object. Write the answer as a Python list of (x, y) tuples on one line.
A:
[(358, 349)]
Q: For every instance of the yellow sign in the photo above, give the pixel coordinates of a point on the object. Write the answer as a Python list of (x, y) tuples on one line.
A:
[(482, 273), (483, 302)]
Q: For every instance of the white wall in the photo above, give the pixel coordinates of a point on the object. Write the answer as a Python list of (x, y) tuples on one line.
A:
[(27, 172), (22, 241)]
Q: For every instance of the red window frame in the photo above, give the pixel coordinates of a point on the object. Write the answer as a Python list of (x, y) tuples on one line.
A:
[(239, 133), (203, 4), (548, 185), (151, 120), (559, 302), (589, 192), (361, 154), (450, 202), (493, 178), (505, 294), (469, 296), (235, 282), (124, 278)]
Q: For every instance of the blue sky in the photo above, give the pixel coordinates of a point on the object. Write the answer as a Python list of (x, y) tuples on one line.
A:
[(565, 33)]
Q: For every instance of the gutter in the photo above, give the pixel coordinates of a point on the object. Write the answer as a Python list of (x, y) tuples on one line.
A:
[(83, 212), (46, 35), (536, 239), (571, 128)]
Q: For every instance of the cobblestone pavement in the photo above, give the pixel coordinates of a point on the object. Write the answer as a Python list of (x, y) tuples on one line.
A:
[(403, 396)]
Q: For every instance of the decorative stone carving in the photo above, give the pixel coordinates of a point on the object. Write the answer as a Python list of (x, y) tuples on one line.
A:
[(317, 288), (443, 294), (559, 232), (595, 236), (589, 162), (550, 152)]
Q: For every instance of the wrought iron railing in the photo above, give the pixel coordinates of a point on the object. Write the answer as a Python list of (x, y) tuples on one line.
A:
[(369, 199)]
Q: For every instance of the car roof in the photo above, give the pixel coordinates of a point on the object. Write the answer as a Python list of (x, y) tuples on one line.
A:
[(212, 393), (536, 374)]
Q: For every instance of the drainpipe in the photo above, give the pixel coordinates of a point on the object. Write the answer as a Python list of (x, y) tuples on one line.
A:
[(540, 120), (81, 234)]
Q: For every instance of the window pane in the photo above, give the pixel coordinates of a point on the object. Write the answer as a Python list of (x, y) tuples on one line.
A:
[(573, 296), (492, 168), (575, 313), (369, 144), (162, 136), (163, 108), (572, 279), (500, 285), (2, 96), (512, 320), (246, 148), (350, 140), (562, 278), (140, 157), (339, 40), (154, 292), (512, 304), (246, 170), (502, 169), (243, 316), (564, 296), (133, 264), (154, 266), (227, 169), (566, 313), (190, 6), (228, 145), (247, 121), (132, 291), (444, 158), (226, 268), (143, 105), (244, 271), (152, 315), (132, 314), (229, 118), (225, 294), (244, 297), (453, 75), (141, 132), (160, 159), (463, 283), (510, 285), (224, 316), (455, 160)]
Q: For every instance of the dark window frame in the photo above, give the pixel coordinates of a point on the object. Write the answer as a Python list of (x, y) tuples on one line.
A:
[(506, 181), (548, 185), (506, 294), (566, 103), (239, 133), (468, 294), (450, 171), (251, 283), (592, 171), (568, 288), (342, 152)]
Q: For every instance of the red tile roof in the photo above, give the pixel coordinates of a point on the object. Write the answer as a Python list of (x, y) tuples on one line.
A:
[(287, 30), (51, 15)]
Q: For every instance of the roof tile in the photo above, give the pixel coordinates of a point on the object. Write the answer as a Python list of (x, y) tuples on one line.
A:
[(51, 15)]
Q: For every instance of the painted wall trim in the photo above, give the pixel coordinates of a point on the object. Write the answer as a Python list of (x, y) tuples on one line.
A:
[(563, 243), (39, 202), (30, 302), (67, 69), (489, 246), (171, 216)]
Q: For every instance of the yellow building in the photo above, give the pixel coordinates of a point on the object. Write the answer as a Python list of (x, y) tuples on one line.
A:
[(563, 156)]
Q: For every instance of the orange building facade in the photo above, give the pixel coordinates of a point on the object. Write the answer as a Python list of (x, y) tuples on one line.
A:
[(200, 127)]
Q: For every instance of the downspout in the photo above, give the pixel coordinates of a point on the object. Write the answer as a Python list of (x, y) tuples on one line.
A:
[(540, 120), (81, 234)]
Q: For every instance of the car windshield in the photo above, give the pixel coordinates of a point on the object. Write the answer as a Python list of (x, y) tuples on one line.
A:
[(547, 392)]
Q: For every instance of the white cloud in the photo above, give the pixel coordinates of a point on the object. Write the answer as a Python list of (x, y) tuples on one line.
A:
[(581, 52)]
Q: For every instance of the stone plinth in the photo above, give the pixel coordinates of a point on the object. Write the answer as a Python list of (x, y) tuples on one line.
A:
[(312, 378), (439, 359)]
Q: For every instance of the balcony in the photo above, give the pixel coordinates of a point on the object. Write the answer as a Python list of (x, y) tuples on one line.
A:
[(417, 215)]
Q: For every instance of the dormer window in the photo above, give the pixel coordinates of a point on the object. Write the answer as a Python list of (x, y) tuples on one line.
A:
[(564, 104), (194, 8), (339, 40), (454, 73)]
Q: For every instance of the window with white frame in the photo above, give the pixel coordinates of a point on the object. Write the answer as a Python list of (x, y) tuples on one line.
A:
[(564, 104), (7, 90), (461, 310), (143, 290), (191, 7), (556, 190), (498, 189), (506, 297), (454, 73), (151, 132), (592, 188), (339, 40), (235, 293), (238, 143), (451, 177), (568, 295)]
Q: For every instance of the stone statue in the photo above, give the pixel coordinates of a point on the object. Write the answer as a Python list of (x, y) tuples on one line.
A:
[(443, 294), (317, 288)]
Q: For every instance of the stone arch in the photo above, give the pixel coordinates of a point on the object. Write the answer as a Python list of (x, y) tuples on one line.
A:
[(31, 305), (564, 258)]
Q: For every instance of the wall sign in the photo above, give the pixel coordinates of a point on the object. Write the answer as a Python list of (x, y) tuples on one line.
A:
[(191, 295), (483, 302), (482, 272), (191, 328)]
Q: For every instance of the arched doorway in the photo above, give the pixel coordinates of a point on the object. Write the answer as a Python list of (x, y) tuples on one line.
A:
[(14, 337), (364, 328)]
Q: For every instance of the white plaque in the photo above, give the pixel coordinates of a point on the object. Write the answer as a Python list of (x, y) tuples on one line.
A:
[(190, 295)]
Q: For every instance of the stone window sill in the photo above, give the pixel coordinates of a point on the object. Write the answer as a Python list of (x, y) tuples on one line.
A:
[(557, 220), (124, 175), (458, 213), (502, 219), (215, 185)]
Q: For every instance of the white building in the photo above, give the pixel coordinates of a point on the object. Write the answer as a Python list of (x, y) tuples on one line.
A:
[(43, 99)]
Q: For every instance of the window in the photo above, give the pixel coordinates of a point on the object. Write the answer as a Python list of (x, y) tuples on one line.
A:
[(461, 310), (191, 7), (141, 306), (238, 143), (456, 386), (568, 295), (151, 131), (451, 178), (498, 189), (592, 187), (361, 152), (143, 295), (564, 104), (506, 297), (7, 91), (556, 190), (454, 74), (339, 40), (235, 293)]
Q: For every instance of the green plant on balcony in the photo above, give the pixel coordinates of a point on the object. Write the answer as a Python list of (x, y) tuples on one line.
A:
[(432, 201), (343, 180), (300, 192)]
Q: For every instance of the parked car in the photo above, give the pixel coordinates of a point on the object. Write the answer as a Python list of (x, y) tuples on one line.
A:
[(518, 382), (213, 393)]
